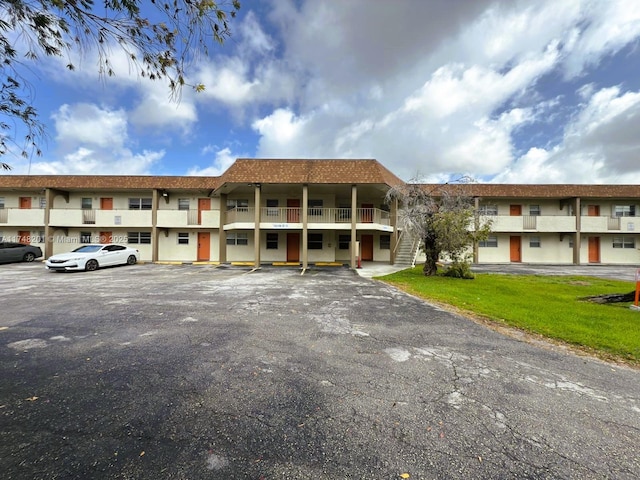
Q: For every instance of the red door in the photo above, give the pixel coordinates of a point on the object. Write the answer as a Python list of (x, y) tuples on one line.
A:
[(25, 202), (293, 211), (203, 204), (366, 247), (515, 210), (106, 203), (204, 243), (594, 249), (106, 237), (514, 249), (24, 236), (367, 215), (293, 246), (593, 211)]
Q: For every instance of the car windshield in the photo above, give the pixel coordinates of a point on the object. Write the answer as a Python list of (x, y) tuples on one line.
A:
[(88, 248)]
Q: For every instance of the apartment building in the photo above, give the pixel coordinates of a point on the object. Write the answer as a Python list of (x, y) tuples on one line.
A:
[(303, 212)]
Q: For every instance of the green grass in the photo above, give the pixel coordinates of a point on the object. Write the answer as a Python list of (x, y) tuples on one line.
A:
[(546, 305)]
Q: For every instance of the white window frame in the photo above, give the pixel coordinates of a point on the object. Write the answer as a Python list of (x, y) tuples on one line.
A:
[(238, 238), (624, 242), (183, 238), (139, 238), (490, 242), (241, 204), (535, 210), (489, 210), (272, 240), (535, 242), (624, 210), (140, 203), (184, 204)]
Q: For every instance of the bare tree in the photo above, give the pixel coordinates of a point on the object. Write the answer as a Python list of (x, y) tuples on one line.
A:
[(159, 42), (444, 219)]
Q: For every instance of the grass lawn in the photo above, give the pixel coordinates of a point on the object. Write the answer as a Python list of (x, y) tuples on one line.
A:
[(544, 305)]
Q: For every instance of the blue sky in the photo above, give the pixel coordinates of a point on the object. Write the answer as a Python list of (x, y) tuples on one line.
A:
[(521, 91)]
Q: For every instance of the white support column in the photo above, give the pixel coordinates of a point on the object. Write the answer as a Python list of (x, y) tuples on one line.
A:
[(354, 215), (305, 221), (256, 231)]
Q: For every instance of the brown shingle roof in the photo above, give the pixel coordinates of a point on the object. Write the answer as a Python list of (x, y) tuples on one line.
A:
[(296, 171), (78, 182), (496, 190)]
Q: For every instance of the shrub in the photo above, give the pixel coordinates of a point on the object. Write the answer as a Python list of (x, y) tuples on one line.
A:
[(459, 270)]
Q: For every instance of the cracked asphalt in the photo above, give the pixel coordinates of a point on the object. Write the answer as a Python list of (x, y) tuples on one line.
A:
[(198, 372)]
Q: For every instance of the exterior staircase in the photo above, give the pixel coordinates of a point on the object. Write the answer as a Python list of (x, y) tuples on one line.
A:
[(406, 251)]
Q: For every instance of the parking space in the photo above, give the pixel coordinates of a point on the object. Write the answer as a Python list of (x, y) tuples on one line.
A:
[(197, 371)]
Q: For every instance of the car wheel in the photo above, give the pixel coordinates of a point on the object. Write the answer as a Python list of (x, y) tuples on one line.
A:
[(29, 257), (91, 265), (132, 260)]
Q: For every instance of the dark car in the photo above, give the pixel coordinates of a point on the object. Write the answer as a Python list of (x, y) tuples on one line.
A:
[(18, 252)]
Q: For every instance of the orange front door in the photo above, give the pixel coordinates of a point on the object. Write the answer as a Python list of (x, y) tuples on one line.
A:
[(367, 216), (106, 203), (24, 236), (593, 211), (515, 211), (594, 249), (293, 247), (514, 249), (366, 247), (293, 211), (204, 243), (106, 237), (203, 204), (25, 202)]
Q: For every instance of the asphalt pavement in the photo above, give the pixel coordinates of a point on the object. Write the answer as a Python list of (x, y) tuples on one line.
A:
[(205, 372)]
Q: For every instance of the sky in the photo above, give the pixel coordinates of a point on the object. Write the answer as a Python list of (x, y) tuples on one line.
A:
[(519, 91)]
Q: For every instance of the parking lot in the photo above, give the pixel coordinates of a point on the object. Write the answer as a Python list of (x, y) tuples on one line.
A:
[(203, 372)]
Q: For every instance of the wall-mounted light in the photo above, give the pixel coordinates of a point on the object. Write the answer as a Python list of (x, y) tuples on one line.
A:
[(164, 193)]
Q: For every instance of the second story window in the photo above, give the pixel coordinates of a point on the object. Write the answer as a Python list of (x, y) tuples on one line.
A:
[(315, 207), (1, 202), (241, 204), (140, 203), (183, 204), (534, 210), (624, 211), (272, 207), (87, 203), (488, 210)]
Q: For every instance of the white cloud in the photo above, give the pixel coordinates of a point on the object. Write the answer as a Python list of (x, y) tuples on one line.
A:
[(90, 125), (157, 109), (600, 145), (222, 160), (93, 140)]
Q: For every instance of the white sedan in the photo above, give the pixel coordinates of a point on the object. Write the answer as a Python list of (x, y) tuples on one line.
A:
[(92, 257)]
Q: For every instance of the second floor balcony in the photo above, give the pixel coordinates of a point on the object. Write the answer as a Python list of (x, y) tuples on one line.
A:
[(22, 217), (320, 217)]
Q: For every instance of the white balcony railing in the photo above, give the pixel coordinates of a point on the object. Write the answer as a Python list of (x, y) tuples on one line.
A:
[(315, 215)]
